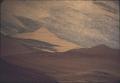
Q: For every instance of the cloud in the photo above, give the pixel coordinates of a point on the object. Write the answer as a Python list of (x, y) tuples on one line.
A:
[(38, 44), (82, 22)]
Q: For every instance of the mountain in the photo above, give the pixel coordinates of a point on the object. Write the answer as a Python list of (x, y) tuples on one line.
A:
[(100, 50), (75, 65)]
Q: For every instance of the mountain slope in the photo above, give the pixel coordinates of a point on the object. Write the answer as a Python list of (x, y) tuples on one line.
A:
[(100, 50)]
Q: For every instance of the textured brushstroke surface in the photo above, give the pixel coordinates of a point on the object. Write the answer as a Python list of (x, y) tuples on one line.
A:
[(99, 64), (85, 23), (65, 41), (11, 73)]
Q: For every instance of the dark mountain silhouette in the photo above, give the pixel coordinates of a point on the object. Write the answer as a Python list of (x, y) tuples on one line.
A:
[(100, 50), (97, 64)]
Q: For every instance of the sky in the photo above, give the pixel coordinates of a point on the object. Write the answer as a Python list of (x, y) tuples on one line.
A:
[(69, 24)]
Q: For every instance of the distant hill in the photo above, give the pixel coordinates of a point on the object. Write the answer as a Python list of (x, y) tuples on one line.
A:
[(97, 50), (14, 46)]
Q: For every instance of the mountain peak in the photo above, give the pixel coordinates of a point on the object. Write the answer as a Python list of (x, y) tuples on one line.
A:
[(101, 46)]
